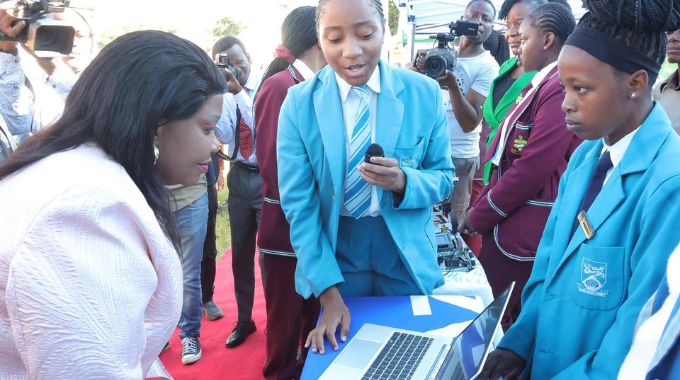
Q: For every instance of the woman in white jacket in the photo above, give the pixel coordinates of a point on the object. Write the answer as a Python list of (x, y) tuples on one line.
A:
[(90, 281)]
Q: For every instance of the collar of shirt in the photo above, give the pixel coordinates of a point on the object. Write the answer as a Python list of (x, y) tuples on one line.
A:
[(542, 74), (619, 148), (672, 83), (252, 84), (373, 83), (303, 69)]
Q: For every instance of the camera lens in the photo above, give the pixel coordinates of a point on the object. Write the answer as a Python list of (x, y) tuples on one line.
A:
[(435, 66)]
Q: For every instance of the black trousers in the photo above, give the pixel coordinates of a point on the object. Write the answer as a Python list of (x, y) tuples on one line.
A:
[(245, 205), (208, 264)]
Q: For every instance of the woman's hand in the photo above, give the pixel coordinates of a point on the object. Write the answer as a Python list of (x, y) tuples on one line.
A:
[(384, 173), (465, 226), (334, 313), (503, 363)]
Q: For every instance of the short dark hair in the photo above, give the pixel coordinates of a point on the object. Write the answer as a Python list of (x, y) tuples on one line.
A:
[(508, 4), (486, 1), (135, 84), (638, 24), (497, 46), (554, 18), (377, 4), (226, 43)]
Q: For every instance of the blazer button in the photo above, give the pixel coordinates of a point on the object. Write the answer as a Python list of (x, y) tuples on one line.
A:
[(333, 197)]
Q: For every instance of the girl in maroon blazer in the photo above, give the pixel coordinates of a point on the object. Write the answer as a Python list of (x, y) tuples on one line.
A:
[(528, 155), (290, 317)]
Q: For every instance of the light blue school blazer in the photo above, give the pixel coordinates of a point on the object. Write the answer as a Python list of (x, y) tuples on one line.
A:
[(311, 155), (582, 300)]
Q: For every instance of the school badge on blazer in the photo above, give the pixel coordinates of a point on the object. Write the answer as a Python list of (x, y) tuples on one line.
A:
[(518, 145), (593, 278)]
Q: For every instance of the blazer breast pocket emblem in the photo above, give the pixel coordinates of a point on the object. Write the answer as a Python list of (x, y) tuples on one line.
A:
[(518, 145), (407, 162)]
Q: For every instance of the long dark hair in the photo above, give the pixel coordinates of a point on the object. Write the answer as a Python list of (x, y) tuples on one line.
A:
[(136, 83), (298, 33)]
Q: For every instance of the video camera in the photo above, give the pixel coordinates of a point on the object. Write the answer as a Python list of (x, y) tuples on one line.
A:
[(42, 35), (223, 63), (443, 58)]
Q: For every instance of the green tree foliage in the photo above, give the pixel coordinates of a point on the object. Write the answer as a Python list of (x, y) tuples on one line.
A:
[(227, 27), (392, 17)]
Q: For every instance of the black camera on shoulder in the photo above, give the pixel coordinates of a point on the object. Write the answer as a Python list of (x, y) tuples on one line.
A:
[(42, 35), (223, 63), (443, 58)]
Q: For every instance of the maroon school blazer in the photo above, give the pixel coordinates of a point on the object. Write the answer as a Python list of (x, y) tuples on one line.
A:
[(515, 204), (274, 232)]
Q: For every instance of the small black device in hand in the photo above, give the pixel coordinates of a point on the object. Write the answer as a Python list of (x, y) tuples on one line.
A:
[(223, 63), (373, 150)]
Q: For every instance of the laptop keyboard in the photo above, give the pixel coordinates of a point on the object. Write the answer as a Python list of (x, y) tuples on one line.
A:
[(399, 358)]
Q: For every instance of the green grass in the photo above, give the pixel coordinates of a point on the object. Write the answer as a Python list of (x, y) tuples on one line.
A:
[(222, 226)]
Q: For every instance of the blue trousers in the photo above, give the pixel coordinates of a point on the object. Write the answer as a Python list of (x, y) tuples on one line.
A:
[(369, 260), (191, 223)]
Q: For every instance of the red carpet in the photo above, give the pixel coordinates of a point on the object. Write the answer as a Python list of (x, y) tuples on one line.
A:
[(218, 362)]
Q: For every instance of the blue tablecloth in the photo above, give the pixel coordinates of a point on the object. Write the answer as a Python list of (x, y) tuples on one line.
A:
[(389, 311)]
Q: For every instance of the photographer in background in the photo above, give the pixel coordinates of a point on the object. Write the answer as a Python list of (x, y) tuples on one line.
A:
[(237, 129), (33, 89), (464, 91)]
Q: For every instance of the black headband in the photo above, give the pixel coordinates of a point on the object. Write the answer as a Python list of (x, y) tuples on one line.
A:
[(611, 51)]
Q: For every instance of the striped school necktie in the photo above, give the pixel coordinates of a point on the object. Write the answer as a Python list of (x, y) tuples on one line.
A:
[(358, 191)]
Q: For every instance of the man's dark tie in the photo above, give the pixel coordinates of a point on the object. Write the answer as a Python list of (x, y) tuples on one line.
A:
[(595, 185)]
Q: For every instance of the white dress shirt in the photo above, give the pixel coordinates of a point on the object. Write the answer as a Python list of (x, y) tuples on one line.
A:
[(228, 122), (350, 108), (303, 69)]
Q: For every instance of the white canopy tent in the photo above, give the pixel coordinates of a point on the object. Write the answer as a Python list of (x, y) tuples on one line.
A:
[(421, 18)]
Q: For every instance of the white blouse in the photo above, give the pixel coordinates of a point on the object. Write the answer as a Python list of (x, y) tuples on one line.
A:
[(90, 287)]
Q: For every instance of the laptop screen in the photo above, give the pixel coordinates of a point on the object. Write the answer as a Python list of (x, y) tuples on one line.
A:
[(470, 347)]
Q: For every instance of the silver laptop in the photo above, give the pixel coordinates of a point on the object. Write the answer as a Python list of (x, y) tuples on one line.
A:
[(381, 352)]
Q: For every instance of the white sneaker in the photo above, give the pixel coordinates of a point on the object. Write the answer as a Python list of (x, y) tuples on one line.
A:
[(191, 350)]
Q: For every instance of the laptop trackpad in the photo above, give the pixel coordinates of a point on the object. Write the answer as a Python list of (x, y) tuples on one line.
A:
[(359, 353)]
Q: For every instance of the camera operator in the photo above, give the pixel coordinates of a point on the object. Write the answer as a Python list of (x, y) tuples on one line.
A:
[(465, 90), (32, 89), (236, 128)]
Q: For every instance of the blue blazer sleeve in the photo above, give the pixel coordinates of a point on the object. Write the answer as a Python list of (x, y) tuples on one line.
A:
[(433, 182), (301, 204)]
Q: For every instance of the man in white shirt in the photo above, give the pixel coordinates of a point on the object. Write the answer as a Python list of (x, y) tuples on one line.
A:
[(236, 129), (466, 90)]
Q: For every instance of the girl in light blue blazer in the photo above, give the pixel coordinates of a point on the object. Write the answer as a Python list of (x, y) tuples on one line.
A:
[(617, 214), (361, 228)]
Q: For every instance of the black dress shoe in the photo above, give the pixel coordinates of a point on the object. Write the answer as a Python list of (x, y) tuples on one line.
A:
[(240, 333)]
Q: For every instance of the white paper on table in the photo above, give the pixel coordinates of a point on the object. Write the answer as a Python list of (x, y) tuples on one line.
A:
[(450, 331), (473, 304), (420, 305)]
